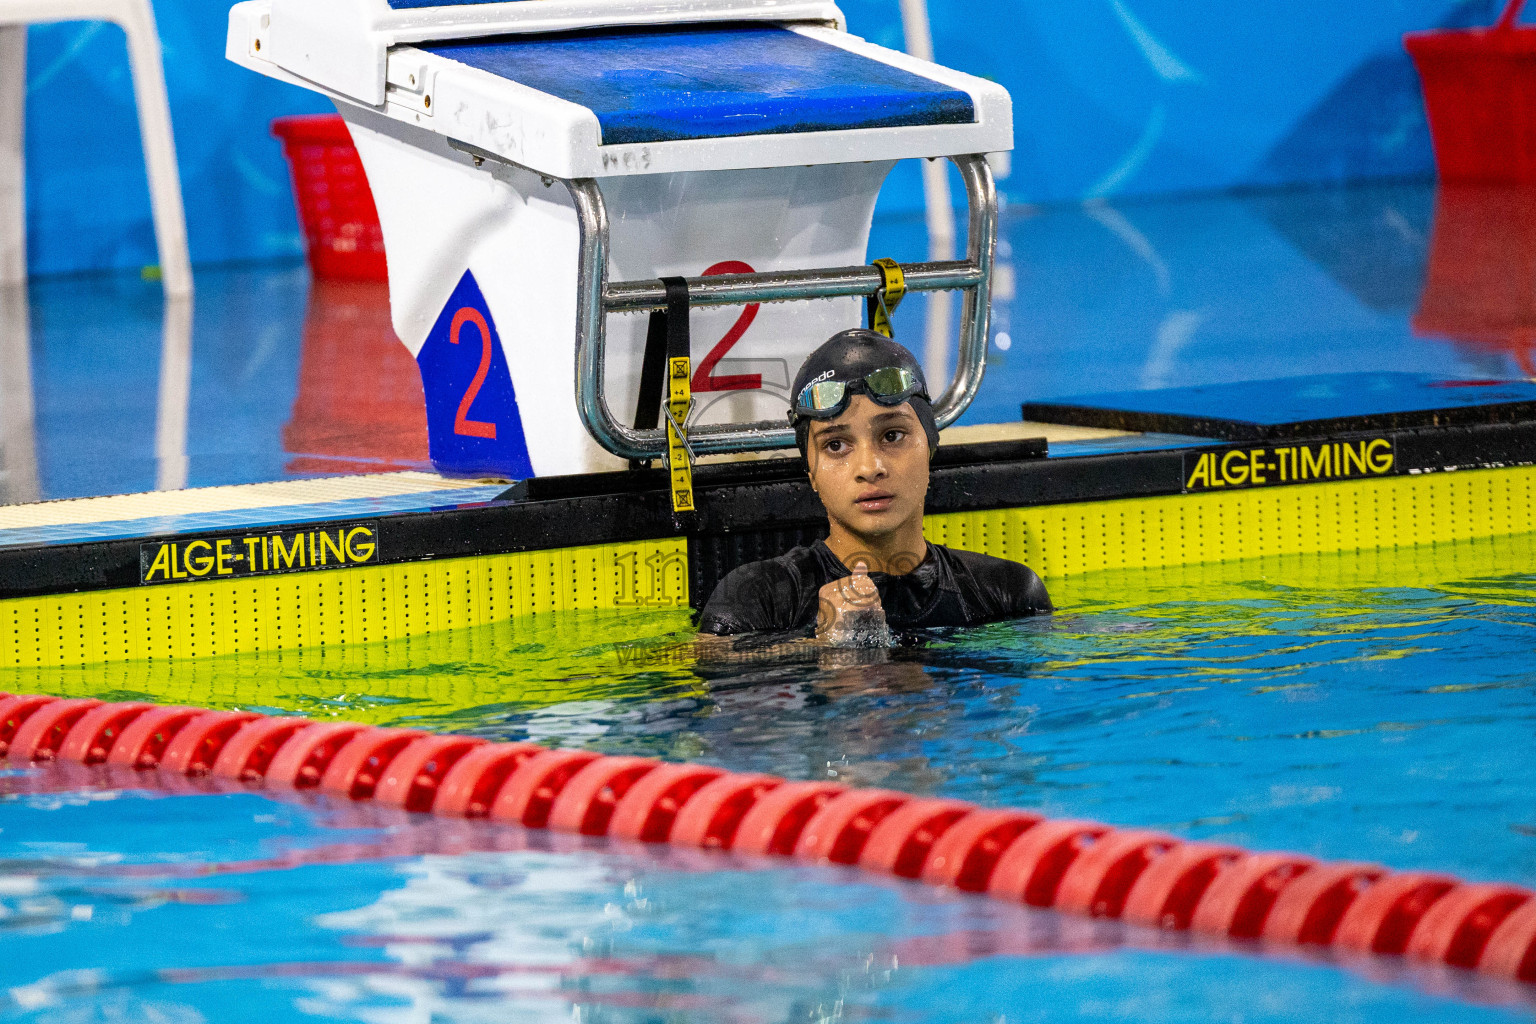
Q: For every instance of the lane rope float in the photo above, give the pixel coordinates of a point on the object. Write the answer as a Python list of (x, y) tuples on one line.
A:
[(1079, 867)]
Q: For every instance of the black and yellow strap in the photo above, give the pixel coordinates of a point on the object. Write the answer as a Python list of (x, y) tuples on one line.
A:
[(882, 304), (668, 359), (679, 393)]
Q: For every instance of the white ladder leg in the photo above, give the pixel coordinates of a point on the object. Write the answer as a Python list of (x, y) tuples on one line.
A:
[(18, 424), (938, 204), (138, 22), (13, 163)]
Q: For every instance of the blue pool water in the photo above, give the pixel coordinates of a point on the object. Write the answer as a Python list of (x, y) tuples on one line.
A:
[(1377, 706)]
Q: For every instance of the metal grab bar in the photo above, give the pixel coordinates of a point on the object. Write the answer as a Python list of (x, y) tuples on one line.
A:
[(788, 285), (596, 298)]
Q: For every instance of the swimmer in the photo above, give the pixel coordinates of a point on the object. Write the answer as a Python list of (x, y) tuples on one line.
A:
[(865, 427)]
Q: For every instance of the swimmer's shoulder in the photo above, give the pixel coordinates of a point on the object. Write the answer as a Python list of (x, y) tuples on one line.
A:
[(1008, 588), (767, 595)]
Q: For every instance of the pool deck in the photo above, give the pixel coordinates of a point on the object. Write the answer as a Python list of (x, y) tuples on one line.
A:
[(1091, 457), (321, 499), (103, 392)]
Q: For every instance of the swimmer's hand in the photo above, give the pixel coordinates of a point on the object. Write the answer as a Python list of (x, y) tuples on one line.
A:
[(850, 614)]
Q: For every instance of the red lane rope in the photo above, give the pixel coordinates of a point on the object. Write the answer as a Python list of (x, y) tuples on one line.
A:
[(648, 811), (712, 816), (1383, 918), (1309, 911), (92, 737), (471, 785), (1099, 882), (417, 772), (143, 742), (904, 839), (1079, 867), (197, 746), (363, 760), (966, 854)]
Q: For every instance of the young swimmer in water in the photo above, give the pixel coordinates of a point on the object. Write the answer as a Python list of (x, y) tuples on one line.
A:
[(864, 424)]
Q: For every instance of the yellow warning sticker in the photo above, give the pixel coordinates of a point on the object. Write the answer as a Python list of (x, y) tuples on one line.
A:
[(892, 291), (259, 554), (1308, 462), (679, 459)]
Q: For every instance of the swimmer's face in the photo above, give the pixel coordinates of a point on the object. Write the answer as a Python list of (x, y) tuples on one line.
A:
[(870, 466)]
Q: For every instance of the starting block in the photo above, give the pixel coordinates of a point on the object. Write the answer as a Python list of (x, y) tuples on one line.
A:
[(538, 167)]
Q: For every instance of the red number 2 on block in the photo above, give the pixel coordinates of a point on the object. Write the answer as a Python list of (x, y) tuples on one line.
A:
[(705, 379), (462, 424)]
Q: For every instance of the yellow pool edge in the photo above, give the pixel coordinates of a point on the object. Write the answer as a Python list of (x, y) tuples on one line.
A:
[(368, 603)]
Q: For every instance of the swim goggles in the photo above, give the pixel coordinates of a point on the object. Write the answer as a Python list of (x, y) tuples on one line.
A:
[(891, 385)]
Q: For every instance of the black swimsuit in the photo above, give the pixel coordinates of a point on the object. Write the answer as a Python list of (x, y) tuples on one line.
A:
[(949, 588)]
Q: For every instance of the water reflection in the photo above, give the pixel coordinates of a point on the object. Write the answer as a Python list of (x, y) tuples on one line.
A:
[(174, 401), (359, 406), (1158, 293), (1480, 287), (1371, 239)]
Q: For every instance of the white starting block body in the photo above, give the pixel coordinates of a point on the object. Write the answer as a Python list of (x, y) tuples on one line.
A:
[(523, 155)]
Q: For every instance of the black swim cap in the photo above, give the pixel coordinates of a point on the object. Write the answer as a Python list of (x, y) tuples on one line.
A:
[(854, 355)]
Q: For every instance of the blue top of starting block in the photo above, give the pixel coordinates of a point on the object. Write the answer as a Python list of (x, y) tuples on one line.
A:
[(665, 85)]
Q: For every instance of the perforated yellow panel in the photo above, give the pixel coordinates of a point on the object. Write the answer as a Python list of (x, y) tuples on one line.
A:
[(1064, 540), (1488, 570), (361, 605), (341, 606), (524, 663)]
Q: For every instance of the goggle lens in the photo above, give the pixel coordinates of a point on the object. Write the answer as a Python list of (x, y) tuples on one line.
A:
[(889, 384), (825, 395), (890, 381)]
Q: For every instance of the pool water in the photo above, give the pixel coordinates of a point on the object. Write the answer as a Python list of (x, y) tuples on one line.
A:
[(1375, 706)]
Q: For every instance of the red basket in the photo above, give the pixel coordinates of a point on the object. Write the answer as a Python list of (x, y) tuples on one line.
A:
[(341, 224), (1480, 92)]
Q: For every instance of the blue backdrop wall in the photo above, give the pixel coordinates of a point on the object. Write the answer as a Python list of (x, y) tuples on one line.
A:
[(1112, 98)]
